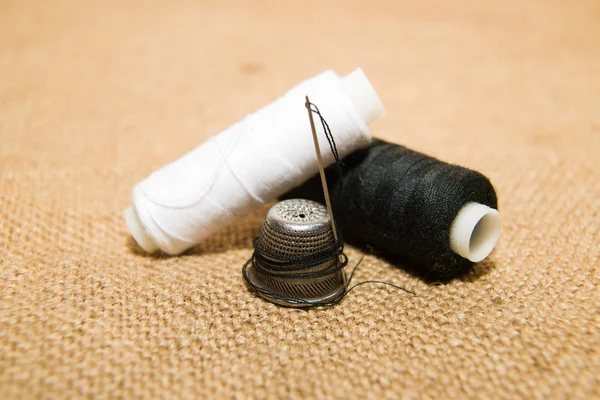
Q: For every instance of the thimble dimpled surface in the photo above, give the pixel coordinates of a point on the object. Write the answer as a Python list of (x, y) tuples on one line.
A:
[(296, 227)]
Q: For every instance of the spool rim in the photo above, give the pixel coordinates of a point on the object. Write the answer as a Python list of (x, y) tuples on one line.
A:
[(475, 231), (363, 96), (139, 233)]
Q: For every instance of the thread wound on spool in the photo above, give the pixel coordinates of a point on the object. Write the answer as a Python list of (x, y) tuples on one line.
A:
[(251, 163), (403, 203)]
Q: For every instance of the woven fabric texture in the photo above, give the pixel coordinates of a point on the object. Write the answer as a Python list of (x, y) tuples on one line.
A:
[(96, 95)]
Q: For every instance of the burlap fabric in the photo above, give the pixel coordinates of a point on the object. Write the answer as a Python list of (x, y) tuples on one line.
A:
[(95, 95)]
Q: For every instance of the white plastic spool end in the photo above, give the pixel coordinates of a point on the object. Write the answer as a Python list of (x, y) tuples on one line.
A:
[(139, 232), (475, 231), (363, 96)]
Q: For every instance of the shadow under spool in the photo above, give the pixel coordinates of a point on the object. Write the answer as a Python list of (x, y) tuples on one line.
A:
[(402, 204)]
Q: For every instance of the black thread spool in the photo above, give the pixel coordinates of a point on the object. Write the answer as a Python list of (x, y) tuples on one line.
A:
[(413, 208)]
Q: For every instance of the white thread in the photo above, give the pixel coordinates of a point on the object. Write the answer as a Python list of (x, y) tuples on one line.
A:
[(246, 165)]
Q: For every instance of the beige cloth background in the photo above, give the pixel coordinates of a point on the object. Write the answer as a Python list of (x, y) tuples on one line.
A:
[(95, 95)]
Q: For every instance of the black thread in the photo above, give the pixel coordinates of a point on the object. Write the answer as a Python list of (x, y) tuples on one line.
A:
[(401, 203), (315, 110), (370, 281), (300, 266), (338, 166), (267, 266)]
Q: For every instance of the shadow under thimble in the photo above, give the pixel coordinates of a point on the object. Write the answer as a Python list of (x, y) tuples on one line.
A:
[(297, 262)]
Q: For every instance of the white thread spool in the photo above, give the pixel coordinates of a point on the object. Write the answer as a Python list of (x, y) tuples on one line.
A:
[(250, 163)]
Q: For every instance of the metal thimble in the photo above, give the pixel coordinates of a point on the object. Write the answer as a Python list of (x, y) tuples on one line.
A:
[(296, 229)]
